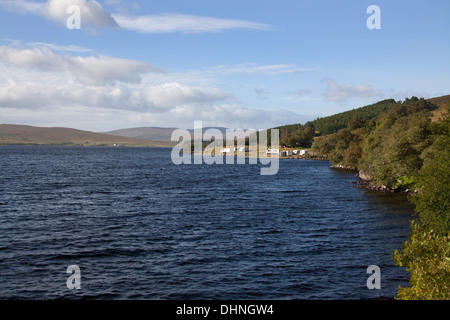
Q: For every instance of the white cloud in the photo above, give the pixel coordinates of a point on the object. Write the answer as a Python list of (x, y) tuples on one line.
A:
[(256, 118), (170, 95), (252, 68), (62, 48), (38, 78), (91, 69), (171, 22), (45, 84), (221, 115), (342, 92), (49, 93), (92, 13)]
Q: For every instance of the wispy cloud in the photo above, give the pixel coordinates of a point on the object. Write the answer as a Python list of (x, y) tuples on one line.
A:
[(252, 68), (61, 48), (93, 14), (300, 93), (222, 115), (23, 6), (172, 22), (261, 93), (342, 92)]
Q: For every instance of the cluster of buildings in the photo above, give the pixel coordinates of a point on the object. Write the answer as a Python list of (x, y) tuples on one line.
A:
[(228, 150), (286, 153), (283, 153)]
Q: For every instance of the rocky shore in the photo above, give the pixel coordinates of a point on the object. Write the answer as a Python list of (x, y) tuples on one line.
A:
[(365, 180), (340, 166)]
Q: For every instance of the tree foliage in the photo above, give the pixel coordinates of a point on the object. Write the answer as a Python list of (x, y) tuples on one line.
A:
[(339, 121), (402, 148), (389, 146), (426, 255), (297, 135)]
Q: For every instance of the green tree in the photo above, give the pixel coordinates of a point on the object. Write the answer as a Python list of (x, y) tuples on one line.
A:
[(426, 255)]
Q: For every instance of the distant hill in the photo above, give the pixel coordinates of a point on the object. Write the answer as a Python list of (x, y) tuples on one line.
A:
[(338, 121), (440, 101), (154, 133), (147, 133), (301, 135), (335, 122), (30, 135)]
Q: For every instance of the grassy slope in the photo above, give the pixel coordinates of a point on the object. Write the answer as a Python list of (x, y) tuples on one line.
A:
[(442, 103), (21, 134)]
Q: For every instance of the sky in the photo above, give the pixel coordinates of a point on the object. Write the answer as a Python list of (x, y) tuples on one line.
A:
[(240, 64)]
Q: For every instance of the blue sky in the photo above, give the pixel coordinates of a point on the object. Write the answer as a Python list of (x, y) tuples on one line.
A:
[(240, 64)]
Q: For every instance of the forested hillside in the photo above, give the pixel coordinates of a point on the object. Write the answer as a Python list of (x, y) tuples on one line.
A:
[(302, 135), (407, 147), (298, 135), (339, 121)]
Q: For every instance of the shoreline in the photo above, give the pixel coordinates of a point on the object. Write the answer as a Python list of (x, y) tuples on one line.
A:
[(80, 145), (365, 179)]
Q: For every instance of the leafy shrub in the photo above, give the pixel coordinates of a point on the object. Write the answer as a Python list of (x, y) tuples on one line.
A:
[(426, 255)]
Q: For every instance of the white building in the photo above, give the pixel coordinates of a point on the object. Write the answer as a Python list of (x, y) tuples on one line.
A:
[(300, 152)]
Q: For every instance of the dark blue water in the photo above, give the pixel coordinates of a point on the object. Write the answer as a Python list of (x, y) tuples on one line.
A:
[(140, 227)]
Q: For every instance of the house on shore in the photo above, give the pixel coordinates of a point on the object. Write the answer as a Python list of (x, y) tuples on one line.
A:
[(241, 149), (272, 151), (286, 153), (300, 152)]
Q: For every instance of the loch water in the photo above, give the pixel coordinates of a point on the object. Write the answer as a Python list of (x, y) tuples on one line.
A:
[(140, 227)]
